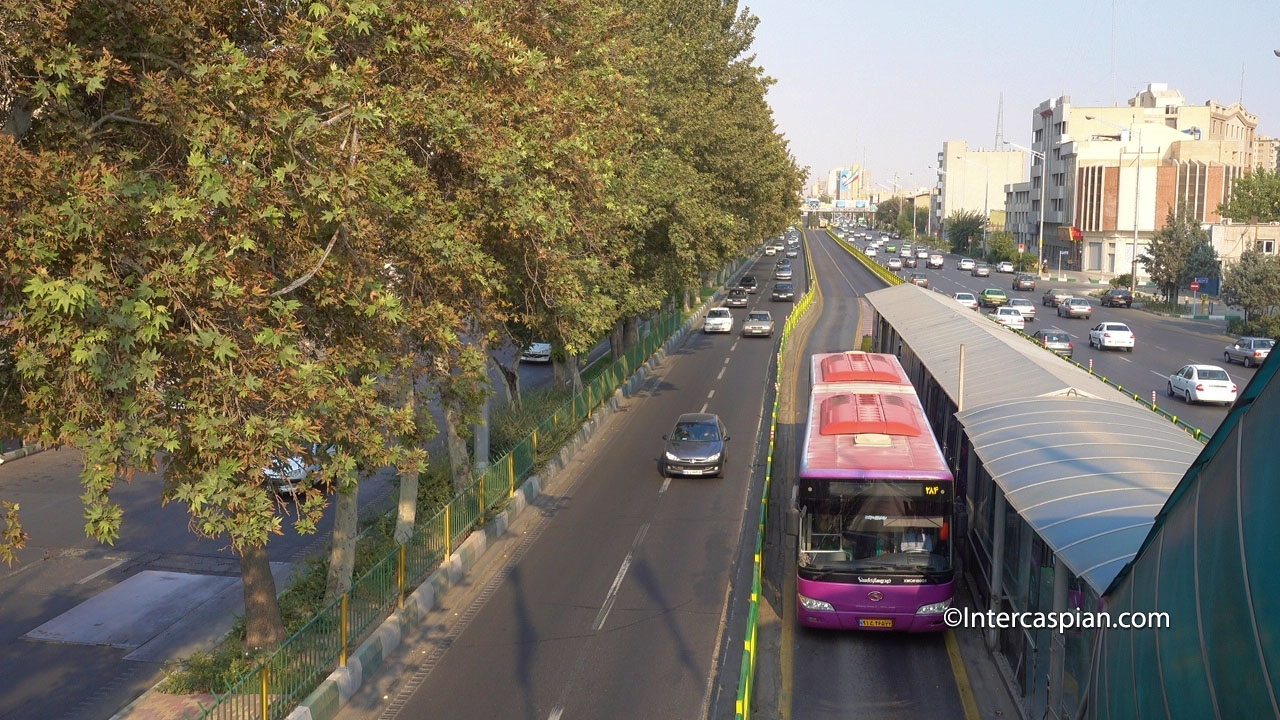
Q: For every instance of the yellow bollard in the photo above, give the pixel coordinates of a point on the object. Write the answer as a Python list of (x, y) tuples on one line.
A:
[(484, 483), (511, 472), (448, 531), (343, 630), (265, 674)]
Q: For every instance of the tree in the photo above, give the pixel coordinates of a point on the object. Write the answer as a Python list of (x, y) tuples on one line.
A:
[(888, 212), (824, 198), (962, 226), (1255, 198), (1001, 245), (1178, 252), (1253, 283)]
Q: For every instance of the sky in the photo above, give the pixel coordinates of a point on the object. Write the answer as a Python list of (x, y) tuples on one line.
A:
[(891, 81)]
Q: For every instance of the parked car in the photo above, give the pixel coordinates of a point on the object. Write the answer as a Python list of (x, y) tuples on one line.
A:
[(1117, 297), (992, 297), (910, 262), (1202, 383), (782, 273), (749, 283), (1248, 351), (737, 297), (966, 264), (295, 474), (1009, 317), (895, 263), (783, 291), (966, 299), (1024, 282), (1024, 306), (922, 254), (1112, 335), (759, 323), (919, 279), (1053, 298), (1075, 307), (936, 261), (697, 445), (1004, 266), (1057, 340), (718, 320), (981, 270), (539, 352)]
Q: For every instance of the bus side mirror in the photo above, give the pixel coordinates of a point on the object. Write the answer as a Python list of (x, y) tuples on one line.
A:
[(962, 520), (793, 522)]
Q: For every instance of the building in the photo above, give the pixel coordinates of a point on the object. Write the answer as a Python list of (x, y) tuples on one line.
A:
[(1266, 153), (1230, 240), (1109, 168), (974, 180), (848, 183)]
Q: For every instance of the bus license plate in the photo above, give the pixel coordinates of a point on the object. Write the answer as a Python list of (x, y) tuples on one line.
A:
[(875, 622)]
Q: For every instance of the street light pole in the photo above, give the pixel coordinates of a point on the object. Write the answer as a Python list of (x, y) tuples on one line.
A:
[(1043, 183)]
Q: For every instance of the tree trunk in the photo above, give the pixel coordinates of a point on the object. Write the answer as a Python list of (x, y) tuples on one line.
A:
[(617, 345), (510, 380), (263, 624), (559, 368), (456, 443), (631, 331), (342, 553), (407, 509), (688, 300), (575, 372)]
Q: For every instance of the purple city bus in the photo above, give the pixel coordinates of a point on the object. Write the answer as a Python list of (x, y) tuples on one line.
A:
[(874, 501)]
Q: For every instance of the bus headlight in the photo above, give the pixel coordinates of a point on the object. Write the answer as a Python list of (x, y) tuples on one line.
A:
[(811, 604), (934, 608)]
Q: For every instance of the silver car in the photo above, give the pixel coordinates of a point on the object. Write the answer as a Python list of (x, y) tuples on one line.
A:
[(759, 323), (1248, 351), (1024, 306), (782, 273), (981, 271)]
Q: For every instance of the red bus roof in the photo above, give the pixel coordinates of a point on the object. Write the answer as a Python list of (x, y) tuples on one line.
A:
[(860, 369), (870, 436)]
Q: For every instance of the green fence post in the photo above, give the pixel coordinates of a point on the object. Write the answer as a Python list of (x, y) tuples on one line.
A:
[(344, 628), (401, 556), (448, 530), (511, 471), (265, 674)]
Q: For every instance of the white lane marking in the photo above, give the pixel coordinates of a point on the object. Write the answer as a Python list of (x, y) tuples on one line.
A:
[(665, 484), (91, 576), (732, 347), (1125, 359), (721, 373), (555, 714), (1159, 375), (704, 408), (1160, 348), (726, 360), (617, 580), (711, 394)]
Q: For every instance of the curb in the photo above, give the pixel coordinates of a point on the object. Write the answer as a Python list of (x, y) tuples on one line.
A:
[(21, 452)]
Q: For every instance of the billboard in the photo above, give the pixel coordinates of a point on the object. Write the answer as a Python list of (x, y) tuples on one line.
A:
[(846, 180), (840, 204), (861, 204)]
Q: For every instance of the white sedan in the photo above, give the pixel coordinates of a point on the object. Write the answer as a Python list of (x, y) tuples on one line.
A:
[(537, 352), (966, 299), (1009, 317), (1024, 306), (1004, 267), (1202, 383), (1111, 335), (871, 252), (718, 320), (895, 263)]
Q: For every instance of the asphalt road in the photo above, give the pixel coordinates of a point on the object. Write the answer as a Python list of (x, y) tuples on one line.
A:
[(879, 676), (1164, 344), (61, 568)]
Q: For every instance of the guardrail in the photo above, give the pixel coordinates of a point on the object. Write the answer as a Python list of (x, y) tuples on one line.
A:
[(747, 674), (881, 271), (271, 690)]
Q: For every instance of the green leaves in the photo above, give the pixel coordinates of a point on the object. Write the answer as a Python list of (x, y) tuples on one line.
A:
[(1255, 198)]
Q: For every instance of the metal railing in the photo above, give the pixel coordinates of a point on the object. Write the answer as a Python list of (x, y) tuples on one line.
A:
[(272, 689)]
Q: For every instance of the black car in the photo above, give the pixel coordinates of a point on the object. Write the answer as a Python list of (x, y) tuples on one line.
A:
[(697, 445), (737, 297), (748, 283), (1117, 297), (1024, 282), (783, 291)]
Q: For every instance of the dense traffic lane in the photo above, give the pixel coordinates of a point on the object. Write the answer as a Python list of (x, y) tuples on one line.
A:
[(616, 609), (846, 675), (1163, 346)]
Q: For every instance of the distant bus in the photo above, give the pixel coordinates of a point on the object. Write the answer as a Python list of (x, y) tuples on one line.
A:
[(874, 502)]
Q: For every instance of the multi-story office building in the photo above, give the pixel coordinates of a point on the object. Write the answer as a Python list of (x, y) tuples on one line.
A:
[(974, 180), (1266, 153)]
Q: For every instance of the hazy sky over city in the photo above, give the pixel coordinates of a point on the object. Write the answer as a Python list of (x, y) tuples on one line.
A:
[(897, 79)]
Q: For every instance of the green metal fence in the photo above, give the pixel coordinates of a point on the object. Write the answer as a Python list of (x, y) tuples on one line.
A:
[(271, 690)]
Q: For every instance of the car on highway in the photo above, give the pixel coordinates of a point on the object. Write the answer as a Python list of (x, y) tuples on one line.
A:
[(1004, 266), (792, 252), (783, 291), (981, 270), (919, 279), (871, 251), (1117, 297), (1057, 340), (1202, 383), (1024, 282), (936, 261), (1074, 307), (539, 352), (782, 273), (906, 252), (992, 297), (1008, 317), (966, 299), (770, 250), (749, 283), (736, 297), (895, 263), (922, 254), (1024, 306), (1111, 335), (293, 474), (784, 262), (910, 262), (1248, 351), (759, 323), (718, 320), (1053, 298), (966, 264), (697, 445), (891, 248)]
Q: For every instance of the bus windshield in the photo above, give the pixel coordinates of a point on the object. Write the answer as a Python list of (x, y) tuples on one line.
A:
[(878, 527)]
